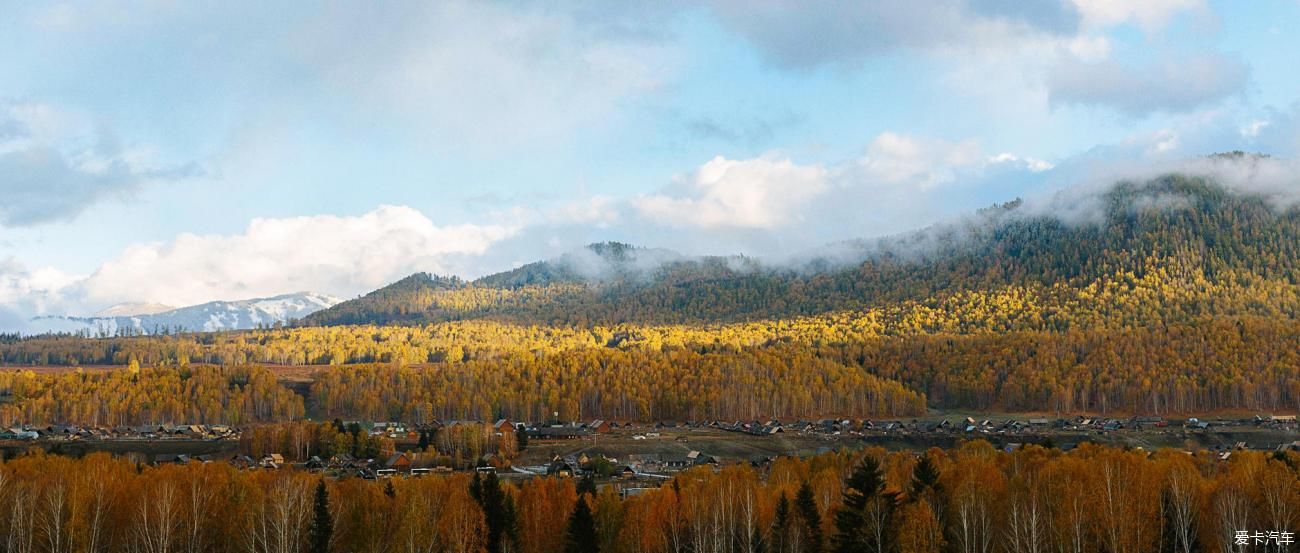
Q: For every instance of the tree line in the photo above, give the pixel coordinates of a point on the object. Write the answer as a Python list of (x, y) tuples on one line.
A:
[(138, 396), (792, 369), (969, 499)]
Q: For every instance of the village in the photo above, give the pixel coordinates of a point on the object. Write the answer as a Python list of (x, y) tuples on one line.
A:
[(632, 453)]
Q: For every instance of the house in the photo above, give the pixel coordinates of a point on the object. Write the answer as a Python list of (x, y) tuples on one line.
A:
[(17, 433), (315, 463), (171, 459), (562, 467), (243, 462), (599, 426), (558, 432), (697, 458), (399, 462), (1149, 421), (271, 461), (503, 427)]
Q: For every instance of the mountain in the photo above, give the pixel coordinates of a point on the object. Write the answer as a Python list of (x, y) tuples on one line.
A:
[(597, 273), (1202, 248), (131, 309), (211, 316)]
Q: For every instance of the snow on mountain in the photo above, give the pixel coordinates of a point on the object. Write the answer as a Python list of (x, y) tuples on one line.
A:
[(207, 317), (132, 309)]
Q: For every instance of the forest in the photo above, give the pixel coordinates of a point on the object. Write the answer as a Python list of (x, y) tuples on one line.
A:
[(972, 498), (1183, 297), (1191, 229), (791, 369)]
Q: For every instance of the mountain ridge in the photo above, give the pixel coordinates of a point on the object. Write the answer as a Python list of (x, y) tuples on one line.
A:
[(1186, 224), (207, 317)]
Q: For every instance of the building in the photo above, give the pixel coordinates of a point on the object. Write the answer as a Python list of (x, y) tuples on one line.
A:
[(399, 462)]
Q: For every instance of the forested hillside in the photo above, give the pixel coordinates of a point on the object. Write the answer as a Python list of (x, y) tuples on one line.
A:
[(1174, 295), (1187, 228)]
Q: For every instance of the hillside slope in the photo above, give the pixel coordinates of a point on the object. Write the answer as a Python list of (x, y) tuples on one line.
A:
[(1181, 231)]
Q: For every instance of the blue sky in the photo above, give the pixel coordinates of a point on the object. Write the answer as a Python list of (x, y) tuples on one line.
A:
[(180, 152)]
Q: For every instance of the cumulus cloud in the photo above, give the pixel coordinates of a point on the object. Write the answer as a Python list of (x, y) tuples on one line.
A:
[(23, 290), (325, 253), (757, 193), (772, 204), (53, 166), (895, 159), (1171, 85)]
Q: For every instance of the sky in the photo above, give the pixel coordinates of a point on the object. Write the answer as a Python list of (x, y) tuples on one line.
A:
[(184, 152)]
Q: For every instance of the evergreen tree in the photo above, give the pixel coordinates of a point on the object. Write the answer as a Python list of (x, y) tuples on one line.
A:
[(322, 523), (521, 440), (811, 518), (498, 510), (925, 477), (865, 485), (580, 536), (781, 524), (587, 485)]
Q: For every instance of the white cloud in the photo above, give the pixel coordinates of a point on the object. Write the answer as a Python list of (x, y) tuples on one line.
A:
[(1150, 15), (849, 33), (32, 291), (1033, 164), (757, 193), (54, 164), (324, 253), (1171, 85), (1252, 129), (898, 180), (487, 74), (898, 159)]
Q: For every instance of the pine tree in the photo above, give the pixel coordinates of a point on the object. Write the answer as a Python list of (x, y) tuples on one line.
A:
[(587, 485), (580, 536), (322, 523), (865, 485), (806, 505), (924, 477), (781, 524), (498, 510)]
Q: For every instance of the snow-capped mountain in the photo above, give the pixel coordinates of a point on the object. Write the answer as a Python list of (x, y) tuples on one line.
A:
[(131, 309), (207, 317)]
